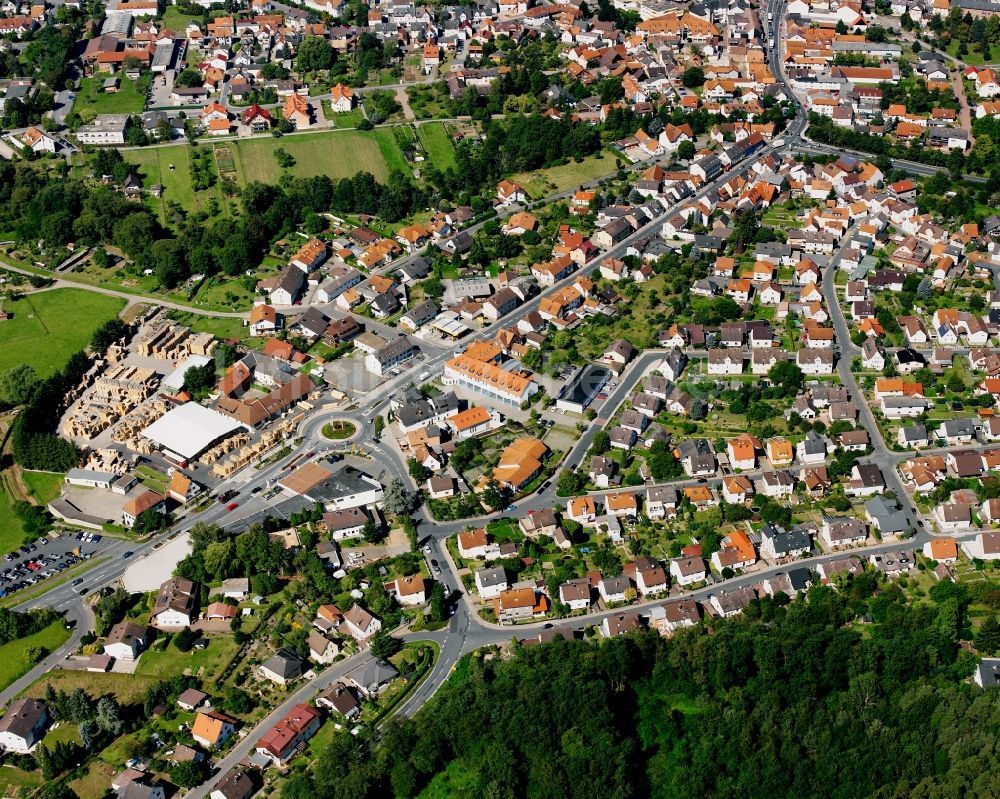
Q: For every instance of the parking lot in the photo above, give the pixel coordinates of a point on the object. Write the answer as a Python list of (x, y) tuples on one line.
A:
[(46, 558)]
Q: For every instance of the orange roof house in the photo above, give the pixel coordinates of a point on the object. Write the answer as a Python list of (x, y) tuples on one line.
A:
[(469, 419), (296, 111), (944, 550), (519, 463), (779, 451), (622, 502), (699, 495), (581, 507), (212, 728)]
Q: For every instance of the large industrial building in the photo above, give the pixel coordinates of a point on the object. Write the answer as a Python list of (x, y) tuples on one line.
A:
[(188, 430)]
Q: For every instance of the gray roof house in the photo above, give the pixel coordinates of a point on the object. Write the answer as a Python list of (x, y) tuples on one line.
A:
[(886, 516)]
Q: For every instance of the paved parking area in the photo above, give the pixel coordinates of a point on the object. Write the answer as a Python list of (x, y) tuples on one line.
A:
[(149, 571), (159, 90), (47, 558), (97, 502), (349, 374)]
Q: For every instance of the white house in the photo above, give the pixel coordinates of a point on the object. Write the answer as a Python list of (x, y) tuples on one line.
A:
[(686, 571), (725, 361), (575, 594), (360, 623), (490, 583), (23, 725)]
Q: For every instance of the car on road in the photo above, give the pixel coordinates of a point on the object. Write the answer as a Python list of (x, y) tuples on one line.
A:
[(83, 591), (127, 555), (232, 506)]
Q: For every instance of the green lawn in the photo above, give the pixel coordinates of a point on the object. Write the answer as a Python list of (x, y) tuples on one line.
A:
[(94, 783), (44, 486), (168, 662), (48, 327), (65, 733), (221, 327), (437, 143), (342, 120), (503, 530), (153, 479), (129, 99), (14, 656), (565, 177), (339, 154), (176, 20)]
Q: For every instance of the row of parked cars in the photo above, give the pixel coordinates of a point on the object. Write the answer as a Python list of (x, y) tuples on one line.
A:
[(26, 573)]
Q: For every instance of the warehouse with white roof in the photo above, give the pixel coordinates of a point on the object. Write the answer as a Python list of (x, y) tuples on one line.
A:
[(188, 430)]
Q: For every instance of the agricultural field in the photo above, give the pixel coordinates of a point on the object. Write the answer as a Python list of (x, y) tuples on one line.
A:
[(565, 177), (47, 327), (129, 99), (436, 141), (337, 154), (14, 660)]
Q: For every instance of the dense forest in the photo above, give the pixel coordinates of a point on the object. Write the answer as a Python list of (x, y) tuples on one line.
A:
[(789, 700)]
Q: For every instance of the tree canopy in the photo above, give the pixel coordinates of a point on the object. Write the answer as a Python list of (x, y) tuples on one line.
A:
[(789, 700)]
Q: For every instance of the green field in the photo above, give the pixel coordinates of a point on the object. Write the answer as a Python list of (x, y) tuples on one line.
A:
[(974, 56), (47, 327), (171, 168), (11, 532), (342, 120), (339, 154), (437, 143), (169, 661), (44, 486), (128, 689), (14, 656), (13, 779), (221, 327), (176, 20), (129, 99), (565, 177)]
